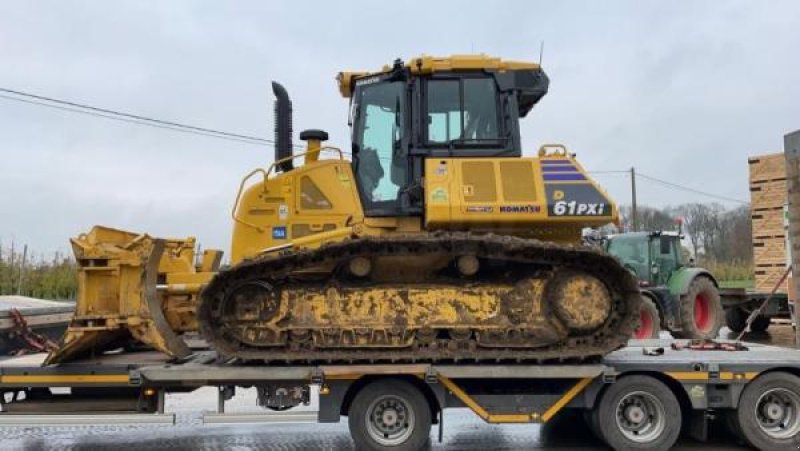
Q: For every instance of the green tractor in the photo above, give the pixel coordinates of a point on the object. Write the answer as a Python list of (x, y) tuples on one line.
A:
[(677, 296)]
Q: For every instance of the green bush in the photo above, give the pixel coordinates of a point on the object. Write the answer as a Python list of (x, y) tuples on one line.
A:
[(46, 279)]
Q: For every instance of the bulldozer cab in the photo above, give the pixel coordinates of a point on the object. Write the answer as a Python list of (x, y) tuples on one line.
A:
[(452, 107)]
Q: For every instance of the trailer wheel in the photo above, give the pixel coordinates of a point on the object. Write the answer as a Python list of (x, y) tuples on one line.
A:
[(592, 421), (701, 310), (390, 414), (731, 422), (760, 324), (649, 320), (769, 412), (736, 319), (638, 412)]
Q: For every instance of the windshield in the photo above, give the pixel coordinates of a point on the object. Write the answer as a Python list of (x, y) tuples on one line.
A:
[(378, 163), (634, 253), (462, 110)]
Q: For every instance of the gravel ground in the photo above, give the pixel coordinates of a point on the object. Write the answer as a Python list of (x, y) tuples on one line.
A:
[(462, 431)]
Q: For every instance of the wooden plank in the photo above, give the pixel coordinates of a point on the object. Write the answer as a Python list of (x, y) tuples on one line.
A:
[(767, 198), (766, 278), (770, 195), (771, 251), (767, 167), (767, 223)]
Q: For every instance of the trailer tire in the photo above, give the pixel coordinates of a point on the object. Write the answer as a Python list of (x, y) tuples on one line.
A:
[(760, 324), (736, 319), (638, 412), (769, 412), (593, 422), (701, 310), (732, 424), (390, 414), (649, 320)]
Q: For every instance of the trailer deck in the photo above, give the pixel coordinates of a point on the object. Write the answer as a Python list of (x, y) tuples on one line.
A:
[(130, 387)]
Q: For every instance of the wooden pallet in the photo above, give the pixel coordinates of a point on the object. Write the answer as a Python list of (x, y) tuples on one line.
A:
[(767, 198)]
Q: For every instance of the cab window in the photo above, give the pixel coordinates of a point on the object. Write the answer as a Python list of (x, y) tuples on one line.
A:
[(462, 110)]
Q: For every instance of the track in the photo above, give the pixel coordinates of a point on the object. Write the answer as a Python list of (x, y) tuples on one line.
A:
[(521, 257)]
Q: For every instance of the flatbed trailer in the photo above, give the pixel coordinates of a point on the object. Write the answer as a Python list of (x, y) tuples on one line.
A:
[(640, 397)]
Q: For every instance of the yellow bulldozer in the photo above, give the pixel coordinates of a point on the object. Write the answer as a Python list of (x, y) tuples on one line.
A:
[(430, 239)]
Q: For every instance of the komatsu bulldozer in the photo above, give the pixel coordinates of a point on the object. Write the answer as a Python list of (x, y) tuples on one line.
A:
[(432, 238)]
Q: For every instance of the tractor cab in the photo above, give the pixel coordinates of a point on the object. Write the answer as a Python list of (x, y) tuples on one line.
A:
[(677, 296), (652, 256)]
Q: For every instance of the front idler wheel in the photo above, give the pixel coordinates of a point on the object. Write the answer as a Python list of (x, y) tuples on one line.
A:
[(580, 301)]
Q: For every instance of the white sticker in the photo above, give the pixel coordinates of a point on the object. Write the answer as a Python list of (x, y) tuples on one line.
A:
[(283, 212)]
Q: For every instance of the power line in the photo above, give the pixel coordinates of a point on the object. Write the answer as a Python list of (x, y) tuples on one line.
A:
[(105, 112), (672, 185), (132, 121), (691, 190)]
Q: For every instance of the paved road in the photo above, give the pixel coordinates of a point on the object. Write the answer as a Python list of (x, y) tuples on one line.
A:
[(463, 430)]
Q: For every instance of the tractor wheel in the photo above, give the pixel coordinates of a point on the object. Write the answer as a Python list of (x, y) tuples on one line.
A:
[(736, 319), (701, 310), (649, 320)]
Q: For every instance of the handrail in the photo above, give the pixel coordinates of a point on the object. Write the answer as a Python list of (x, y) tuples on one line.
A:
[(239, 195), (543, 149), (266, 174), (301, 154)]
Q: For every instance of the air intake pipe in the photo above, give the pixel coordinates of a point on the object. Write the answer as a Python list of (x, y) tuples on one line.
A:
[(283, 127)]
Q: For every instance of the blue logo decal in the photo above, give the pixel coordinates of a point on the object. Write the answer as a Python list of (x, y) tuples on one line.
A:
[(279, 233)]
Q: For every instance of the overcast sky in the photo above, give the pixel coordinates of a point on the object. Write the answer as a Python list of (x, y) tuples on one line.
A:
[(684, 91)]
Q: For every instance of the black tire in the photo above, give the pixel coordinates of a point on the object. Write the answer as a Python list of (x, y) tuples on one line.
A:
[(736, 319), (732, 425), (760, 324), (409, 407), (701, 324), (593, 422), (659, 413), (650, 318), (760, 424)]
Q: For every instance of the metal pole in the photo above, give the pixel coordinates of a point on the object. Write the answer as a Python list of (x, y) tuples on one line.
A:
[(791, 145), (22, 269), (634, 217)]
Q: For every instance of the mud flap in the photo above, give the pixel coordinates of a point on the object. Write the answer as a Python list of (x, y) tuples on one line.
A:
[(118, 303)]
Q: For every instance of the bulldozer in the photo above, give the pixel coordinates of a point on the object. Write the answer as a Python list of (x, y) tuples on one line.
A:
[(432, 238)]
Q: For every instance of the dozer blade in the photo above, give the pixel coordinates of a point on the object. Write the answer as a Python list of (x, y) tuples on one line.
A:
[(117, 297)]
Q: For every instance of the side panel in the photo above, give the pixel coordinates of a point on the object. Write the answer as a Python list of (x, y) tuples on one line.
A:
[(315, 198), (548, 197)]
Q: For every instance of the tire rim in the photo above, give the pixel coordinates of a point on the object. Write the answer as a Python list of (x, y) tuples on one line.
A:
[(645, 329), (777, 413), (702, 313), (641, 417), (390, 420)]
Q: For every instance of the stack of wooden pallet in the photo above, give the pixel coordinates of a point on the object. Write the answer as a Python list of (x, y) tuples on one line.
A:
[(768, 199)]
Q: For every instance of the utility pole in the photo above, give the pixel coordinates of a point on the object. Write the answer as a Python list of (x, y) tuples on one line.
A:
[(634, 216), (791, 146)]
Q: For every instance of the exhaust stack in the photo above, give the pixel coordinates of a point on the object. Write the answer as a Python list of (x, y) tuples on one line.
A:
[(283, 126)]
